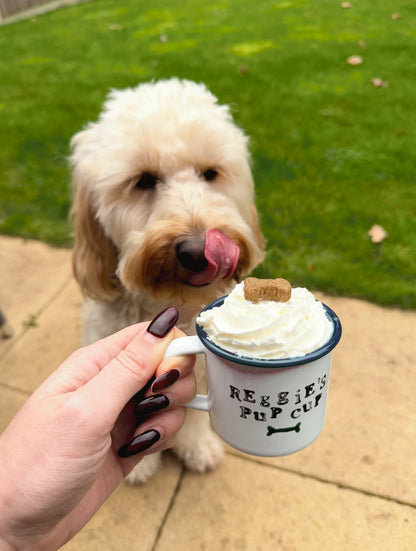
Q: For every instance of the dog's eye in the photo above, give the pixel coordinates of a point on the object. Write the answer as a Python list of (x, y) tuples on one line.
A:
[(146, 181), (210, 174)]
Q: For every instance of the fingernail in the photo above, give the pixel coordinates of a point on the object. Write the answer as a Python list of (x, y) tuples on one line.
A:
[(166, 380), (151, 405), (139, 444), (138, 397), (163, 322)]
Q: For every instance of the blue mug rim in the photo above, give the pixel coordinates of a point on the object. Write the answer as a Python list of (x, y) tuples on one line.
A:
[(269, 362)]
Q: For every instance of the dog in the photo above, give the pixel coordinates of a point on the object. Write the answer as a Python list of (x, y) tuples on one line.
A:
[(164, 215)]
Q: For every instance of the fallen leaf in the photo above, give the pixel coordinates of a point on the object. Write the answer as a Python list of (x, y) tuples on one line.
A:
[(163, 38), (346, 5), (362, 44), (396, 16), (379, 83), (377, 234), (115, 27), (355, 60)]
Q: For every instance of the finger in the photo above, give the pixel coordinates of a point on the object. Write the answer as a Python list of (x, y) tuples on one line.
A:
[(170, 370), (178, 395), (85, 363), (126, 373), (183, 392), (154, 435)]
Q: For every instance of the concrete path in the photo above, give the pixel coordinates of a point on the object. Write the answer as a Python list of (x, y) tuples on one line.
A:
[(353, 489)]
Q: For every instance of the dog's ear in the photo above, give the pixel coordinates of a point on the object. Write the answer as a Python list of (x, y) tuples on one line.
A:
[(94, 258), (255, 226)]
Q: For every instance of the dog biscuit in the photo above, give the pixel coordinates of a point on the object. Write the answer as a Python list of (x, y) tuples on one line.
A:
[(257, 290)]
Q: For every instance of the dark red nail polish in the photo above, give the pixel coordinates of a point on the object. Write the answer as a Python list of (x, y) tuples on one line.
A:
[(139, 444), (163, 322), (166, 380), (151, 405), (139, 396)]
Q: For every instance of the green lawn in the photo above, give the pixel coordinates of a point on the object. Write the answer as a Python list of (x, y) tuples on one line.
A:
[(332, 153)]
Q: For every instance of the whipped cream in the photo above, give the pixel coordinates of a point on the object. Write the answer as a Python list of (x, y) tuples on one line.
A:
[(268, 329)]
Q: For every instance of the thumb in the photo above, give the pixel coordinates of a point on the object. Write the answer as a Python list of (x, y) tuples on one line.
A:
[(133, 366)]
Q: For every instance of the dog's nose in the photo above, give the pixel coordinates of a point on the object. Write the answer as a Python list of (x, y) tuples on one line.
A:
[(190, 253)]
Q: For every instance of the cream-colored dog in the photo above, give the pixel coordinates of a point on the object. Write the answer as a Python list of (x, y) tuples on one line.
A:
[(164, 215)]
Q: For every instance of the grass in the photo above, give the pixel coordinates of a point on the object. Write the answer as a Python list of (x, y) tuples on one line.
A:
[(332, 153)]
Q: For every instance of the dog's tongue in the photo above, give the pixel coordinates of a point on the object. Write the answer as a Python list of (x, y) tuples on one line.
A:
[(221, 255)]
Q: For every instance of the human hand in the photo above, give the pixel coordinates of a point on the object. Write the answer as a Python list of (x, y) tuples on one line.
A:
[(59, 457)]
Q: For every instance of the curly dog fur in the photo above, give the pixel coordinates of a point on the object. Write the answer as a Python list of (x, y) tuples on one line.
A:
[(163, 215)]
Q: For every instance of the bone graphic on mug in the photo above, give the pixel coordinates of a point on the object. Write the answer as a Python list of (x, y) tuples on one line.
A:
[(272, 430)]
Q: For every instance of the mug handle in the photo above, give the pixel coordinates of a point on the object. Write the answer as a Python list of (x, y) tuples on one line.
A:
[(184, 346)]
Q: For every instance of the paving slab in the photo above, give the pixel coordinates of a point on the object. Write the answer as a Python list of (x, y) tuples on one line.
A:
[(31, 274), (42, 348), (132, 516), (10, 402), (369, 438), (252, 507)]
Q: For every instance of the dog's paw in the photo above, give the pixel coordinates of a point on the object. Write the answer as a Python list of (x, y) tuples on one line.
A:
[(200, 454), (144, 471)]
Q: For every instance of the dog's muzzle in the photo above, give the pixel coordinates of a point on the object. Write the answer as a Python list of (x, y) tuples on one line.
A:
[(207, 257)]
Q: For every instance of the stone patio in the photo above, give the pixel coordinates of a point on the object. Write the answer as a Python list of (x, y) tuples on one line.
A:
[(352, 489)]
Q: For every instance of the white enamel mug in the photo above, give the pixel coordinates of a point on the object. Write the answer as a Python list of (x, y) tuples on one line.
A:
[(261, 406)]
